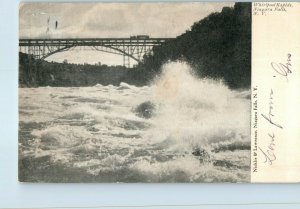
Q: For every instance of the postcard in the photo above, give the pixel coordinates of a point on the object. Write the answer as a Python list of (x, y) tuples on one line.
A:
[(159, 92)]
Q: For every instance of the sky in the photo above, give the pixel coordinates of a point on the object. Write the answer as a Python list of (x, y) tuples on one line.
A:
[(108, 20)]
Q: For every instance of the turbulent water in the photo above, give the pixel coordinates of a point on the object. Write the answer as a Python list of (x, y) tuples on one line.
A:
[(179, 129)]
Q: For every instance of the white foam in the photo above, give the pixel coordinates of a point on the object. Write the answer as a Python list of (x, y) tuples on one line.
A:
[(196, 111)]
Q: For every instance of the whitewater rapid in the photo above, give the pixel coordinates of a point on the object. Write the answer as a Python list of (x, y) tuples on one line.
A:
[(178, 129)]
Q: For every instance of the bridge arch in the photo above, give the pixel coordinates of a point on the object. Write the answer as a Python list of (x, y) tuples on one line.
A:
[(121, 52)]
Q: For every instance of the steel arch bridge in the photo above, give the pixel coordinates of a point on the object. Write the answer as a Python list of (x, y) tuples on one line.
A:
[(130, 48)]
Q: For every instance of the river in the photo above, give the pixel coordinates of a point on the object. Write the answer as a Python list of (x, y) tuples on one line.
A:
[(178, 129)]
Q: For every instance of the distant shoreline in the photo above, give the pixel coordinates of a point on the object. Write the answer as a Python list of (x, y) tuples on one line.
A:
[(38, 73)]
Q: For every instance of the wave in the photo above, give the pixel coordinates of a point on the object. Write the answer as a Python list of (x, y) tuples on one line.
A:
[(193, 112)]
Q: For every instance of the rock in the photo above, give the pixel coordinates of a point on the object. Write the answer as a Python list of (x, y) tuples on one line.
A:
[(224, 163), (145, 110), (202, 154)]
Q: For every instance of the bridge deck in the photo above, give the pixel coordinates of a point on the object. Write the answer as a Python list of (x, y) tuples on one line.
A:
[(93, 42)]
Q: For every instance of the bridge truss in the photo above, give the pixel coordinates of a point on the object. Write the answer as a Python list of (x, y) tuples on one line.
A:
[(129, 48)]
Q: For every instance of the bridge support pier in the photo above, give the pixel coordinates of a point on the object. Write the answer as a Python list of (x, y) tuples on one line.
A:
[(126, 61)]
